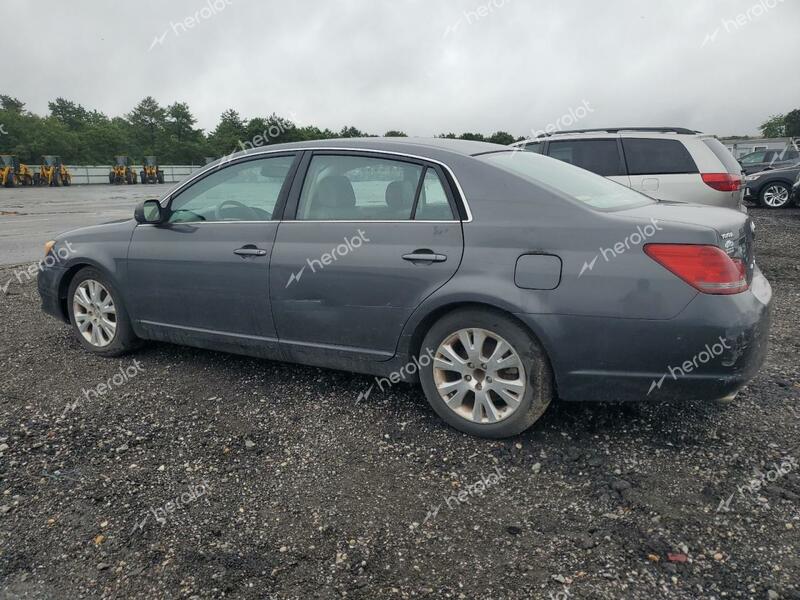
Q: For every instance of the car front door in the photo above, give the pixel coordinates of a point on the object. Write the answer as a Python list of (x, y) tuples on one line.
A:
[(204, 274), (372, 236)]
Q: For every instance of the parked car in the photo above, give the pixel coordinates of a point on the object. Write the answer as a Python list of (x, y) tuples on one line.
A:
[(761, 160), (501, 279), (666, 163), (772, 189)]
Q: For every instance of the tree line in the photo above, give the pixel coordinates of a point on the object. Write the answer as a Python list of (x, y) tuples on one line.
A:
[(83, 136)]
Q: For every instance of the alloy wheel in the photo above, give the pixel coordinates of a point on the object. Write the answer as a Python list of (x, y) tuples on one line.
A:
[(776, 196), (479, 375), (95, 313)]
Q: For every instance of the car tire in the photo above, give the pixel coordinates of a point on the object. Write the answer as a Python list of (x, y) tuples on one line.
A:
[(88, 308), (472, 379), (775, 195)]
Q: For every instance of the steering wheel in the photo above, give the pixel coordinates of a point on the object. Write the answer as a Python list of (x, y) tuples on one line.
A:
[(235, 204)]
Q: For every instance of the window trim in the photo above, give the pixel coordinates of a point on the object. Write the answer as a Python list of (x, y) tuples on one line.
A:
[(293, 203), (461, 209)]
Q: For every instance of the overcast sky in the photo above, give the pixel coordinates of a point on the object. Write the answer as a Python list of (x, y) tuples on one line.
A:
[(423, 66)]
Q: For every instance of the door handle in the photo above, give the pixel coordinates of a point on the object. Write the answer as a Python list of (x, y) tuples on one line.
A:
[(424, 256), (250, 251)]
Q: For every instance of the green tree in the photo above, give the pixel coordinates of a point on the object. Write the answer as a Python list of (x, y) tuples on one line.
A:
[(72, 115), (501, 137), (229, 133), (394, 133), (147, 120), (475, 137), (773, 127), (792, 123), (11, 104)]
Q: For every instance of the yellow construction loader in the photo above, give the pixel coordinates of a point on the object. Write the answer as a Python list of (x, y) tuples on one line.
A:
[(52, 172), (12, 172), (150, 172), (122, 171)]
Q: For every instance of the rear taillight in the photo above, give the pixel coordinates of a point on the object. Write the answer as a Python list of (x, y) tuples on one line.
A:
[(706, 268), (722, 182)]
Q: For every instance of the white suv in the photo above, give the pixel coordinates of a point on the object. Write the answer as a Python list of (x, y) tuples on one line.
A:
[(667, 163)]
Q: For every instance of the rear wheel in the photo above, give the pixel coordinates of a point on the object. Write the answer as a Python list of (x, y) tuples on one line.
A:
[(775, 195), (160, 177), (488, 376), (98, 315)]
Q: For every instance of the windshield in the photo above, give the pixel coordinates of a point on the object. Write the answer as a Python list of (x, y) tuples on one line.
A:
[(594, 190)]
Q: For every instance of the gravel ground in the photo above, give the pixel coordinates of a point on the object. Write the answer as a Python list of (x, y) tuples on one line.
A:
[(204, 475)]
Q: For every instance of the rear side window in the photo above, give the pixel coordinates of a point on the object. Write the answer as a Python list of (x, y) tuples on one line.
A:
[(358, 188), (598, 156), (433, 204), (533, 147), (724, 155), (657, 157)]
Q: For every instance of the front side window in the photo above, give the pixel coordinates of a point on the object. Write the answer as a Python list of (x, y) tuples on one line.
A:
[(657, 157), (358, 188), (246, 191), (598, 156), (565, 179)]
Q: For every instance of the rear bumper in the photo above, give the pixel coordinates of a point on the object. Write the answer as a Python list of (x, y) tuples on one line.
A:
[(709, 351)]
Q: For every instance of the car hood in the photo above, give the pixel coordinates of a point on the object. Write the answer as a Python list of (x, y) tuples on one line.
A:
[(109, 230)]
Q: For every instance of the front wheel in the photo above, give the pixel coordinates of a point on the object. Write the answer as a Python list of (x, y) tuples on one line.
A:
[(98, 315), (488, 376), (775, 195)]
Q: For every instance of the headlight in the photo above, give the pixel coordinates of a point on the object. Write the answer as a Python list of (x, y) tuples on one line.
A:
[(49, 246), (752, 177)]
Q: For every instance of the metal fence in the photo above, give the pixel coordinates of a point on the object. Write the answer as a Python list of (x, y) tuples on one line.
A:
[(84, 174)]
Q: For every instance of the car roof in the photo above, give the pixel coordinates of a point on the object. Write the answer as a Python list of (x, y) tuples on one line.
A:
[(425, 147), (614, 132)]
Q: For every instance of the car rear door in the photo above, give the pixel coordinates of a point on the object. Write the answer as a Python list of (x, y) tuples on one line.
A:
[(662, 169), (601, 156), (204, 274), (365, 239)]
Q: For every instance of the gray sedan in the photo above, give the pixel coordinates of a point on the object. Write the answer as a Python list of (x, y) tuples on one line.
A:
[(500, 280)]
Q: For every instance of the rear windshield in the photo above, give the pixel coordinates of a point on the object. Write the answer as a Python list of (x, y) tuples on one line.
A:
[(594, 190), (724, 155)]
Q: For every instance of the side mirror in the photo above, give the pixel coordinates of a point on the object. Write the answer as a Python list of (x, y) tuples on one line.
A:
[(149, 212)]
